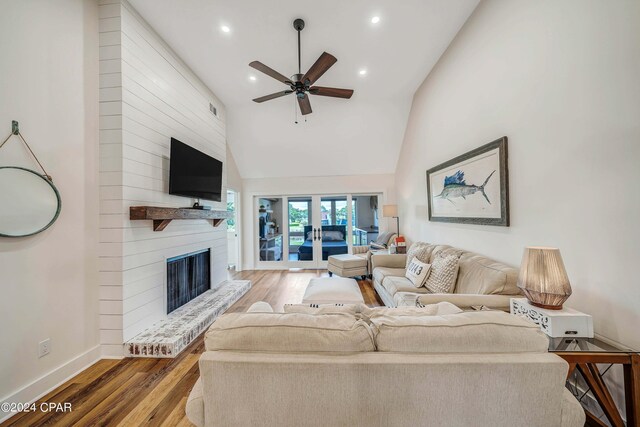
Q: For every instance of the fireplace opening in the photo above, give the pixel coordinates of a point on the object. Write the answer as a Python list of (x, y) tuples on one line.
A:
[(188, 276)]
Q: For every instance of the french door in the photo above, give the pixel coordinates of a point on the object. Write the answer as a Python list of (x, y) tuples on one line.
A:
[(318, 226), (302, 231)]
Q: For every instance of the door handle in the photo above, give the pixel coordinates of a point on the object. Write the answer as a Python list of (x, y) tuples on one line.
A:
[(315, 237), (320, 233)]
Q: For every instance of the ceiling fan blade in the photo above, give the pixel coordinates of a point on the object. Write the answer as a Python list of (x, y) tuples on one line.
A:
[(322, 64), (331, 91), (305, 105), (273, 96), (270, 72)]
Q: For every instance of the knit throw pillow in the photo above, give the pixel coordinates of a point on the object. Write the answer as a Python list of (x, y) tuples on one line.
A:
[(419, 250), (444, 272)]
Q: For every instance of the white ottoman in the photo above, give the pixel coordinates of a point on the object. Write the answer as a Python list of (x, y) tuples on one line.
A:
[(347, 265), (332, 290)]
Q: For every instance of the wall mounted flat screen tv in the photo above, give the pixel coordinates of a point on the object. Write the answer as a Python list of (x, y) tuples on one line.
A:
[(194, 174)]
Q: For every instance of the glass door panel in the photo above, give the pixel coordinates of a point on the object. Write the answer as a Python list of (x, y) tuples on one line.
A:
[(365, 218), (269, 221), (300, 227), (335, 226)]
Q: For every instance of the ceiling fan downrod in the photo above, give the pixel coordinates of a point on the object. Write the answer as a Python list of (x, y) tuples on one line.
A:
[(298, 24)]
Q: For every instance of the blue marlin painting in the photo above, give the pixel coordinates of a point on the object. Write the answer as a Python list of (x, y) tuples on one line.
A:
[(455, 186)]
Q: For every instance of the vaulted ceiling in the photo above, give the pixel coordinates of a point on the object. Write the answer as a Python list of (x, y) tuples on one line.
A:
[(362, 135)]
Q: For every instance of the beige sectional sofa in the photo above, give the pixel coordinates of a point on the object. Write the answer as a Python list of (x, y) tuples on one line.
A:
[(380, 368), (480, 281)]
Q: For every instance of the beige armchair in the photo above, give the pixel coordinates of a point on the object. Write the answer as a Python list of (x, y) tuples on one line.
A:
[(383, 240)]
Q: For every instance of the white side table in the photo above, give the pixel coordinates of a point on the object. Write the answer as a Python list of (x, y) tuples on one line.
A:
[(555, 323)]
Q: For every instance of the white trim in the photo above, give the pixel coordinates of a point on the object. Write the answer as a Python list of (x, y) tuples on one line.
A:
[(52, 380), (238, 217), (112, 351)]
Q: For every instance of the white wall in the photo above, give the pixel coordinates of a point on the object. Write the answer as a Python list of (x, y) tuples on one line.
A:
[(234, 180), (147, 96), (333, 185), (560, 80), (49, 83)]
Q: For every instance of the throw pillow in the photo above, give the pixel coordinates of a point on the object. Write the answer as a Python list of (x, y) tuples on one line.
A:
[(332, 236), (444, 271), (260, 307), (420, 250), (417, 272), (374, 246)]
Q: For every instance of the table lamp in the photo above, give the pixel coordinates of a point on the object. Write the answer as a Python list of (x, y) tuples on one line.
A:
[(543, 278)]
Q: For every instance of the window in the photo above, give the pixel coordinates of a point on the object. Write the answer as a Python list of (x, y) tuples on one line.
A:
[(299, 217), (231, 207)]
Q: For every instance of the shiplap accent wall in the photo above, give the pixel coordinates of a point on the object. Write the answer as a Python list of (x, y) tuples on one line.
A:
[(147, 96)]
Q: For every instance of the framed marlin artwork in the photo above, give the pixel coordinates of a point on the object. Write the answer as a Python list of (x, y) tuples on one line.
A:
[(472, 188)]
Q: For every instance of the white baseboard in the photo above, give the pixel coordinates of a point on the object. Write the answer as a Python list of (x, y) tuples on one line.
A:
[(58, 376), (112, 351)]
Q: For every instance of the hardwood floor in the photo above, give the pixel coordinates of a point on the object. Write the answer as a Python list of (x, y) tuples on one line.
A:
[(132, 392)]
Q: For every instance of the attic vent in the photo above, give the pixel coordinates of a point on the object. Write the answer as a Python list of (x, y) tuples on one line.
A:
[(213, 109)]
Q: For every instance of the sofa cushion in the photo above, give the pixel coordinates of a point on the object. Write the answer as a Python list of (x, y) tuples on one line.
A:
[(379, 273), (480, 275), (289, 332), (468, 332), (393, 284)]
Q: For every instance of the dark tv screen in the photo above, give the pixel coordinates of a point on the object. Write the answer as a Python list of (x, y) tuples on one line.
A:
[(194, 174)]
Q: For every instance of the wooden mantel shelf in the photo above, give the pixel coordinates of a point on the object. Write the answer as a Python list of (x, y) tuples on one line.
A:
[(163, 216)]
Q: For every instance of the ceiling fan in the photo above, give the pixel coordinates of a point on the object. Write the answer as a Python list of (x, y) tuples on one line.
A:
[(300, 84)]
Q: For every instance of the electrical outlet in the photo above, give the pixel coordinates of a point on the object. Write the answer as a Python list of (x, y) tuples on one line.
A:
[(44, 347)]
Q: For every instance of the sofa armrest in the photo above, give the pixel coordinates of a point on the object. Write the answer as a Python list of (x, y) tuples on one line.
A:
[(465, 301), (388, 260), (195, 404)]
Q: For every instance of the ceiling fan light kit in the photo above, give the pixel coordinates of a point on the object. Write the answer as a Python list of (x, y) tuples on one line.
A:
[(301, 84)]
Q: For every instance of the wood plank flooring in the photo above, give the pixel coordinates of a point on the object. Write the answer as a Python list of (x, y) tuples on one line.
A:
[(132, 392)]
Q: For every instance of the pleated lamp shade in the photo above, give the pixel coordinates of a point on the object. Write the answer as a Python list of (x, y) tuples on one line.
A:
[(543, 278)]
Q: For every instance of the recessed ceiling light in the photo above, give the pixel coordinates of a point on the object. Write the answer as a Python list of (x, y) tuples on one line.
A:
[(225, 29), (362, 72), (375, 19), (252, 78)]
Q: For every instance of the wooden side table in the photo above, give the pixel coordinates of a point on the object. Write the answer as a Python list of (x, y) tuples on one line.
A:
[(583, 354)]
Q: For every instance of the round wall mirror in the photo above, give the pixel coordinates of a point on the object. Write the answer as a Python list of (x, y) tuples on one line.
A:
[(29, 202)]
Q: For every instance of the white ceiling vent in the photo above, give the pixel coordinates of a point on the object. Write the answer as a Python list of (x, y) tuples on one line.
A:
[(213, 109)]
